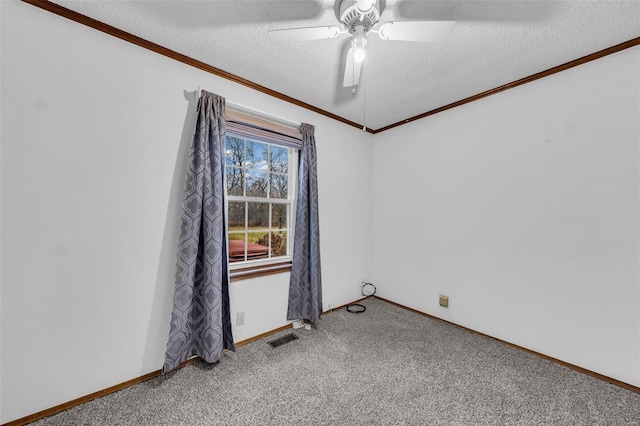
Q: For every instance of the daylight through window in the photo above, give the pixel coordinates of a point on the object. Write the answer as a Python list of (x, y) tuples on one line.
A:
[(260, 199)]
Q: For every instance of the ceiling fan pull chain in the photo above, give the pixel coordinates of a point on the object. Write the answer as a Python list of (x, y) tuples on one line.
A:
[(364, 103)]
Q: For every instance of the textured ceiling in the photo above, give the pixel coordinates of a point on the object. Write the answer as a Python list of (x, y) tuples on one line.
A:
[(493, 43)]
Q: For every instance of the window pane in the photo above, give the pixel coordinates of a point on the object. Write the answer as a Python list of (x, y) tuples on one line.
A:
[(279, 160), (256, 183), (237, 247), (279, 216), (234, 151), (258, 245), (235, 181), (258, 216), (279, 184), (279, 243), (236, 216), (257, 155)]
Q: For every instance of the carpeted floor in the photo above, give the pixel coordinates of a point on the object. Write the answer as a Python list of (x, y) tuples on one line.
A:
[(387, 366)]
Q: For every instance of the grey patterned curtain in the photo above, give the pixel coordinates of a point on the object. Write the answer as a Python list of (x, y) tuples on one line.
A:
[(305, 285), (200, 322)]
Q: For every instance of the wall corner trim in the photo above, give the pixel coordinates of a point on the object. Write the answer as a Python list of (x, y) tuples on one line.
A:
[(146, 44), (123, 35)]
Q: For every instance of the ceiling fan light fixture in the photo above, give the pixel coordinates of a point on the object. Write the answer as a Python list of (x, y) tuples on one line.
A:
[(358, 19), (359, 42)]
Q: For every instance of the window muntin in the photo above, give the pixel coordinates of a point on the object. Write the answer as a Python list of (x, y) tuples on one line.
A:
[(259, 178)]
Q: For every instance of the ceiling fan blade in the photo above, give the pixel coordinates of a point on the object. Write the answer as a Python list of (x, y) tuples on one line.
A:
[(425, 31), (351, 70), (465, 10), (303, 34)]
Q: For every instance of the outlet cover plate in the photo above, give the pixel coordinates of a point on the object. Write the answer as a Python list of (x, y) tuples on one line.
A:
[(444, 301)]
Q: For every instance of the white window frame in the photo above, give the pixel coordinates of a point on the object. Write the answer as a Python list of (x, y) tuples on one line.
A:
[(290, 200)]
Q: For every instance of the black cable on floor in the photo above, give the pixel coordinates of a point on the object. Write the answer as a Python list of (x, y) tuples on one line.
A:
[(356, 308), (369, 291)]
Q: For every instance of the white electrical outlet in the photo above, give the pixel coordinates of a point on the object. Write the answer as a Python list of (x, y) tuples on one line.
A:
[(240, 318)]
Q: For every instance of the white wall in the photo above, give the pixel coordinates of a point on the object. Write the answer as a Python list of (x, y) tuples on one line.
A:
[(95, 134), (523, 208)]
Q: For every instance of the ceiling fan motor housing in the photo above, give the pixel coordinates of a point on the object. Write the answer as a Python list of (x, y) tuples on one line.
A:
[(351, 16)]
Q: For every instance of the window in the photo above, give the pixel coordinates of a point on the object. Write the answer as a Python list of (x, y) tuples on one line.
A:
[(260, 181)]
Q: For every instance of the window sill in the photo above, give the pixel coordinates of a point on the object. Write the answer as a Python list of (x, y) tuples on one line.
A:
[(258, 271)]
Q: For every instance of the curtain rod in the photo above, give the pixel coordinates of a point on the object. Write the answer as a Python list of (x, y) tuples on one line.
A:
[(255, 113), (262, 115)]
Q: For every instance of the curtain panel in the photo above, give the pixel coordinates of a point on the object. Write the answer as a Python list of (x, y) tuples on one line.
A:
[(305, 285), (200, 320)]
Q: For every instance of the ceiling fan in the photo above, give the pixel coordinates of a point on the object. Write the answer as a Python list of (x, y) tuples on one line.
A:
[(358, 19)]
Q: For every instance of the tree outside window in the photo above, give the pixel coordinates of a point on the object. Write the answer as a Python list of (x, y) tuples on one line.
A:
[(259, 207)]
